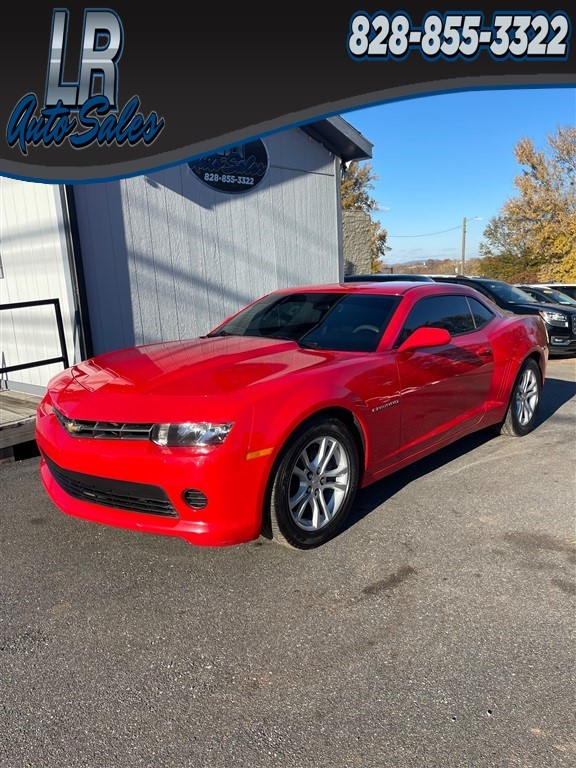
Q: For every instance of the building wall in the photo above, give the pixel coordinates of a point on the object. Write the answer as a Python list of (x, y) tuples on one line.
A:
[(356, 240), (167, 257), (34, 266)]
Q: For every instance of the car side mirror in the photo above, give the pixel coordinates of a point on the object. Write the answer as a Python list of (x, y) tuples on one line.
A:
[(425, 337)]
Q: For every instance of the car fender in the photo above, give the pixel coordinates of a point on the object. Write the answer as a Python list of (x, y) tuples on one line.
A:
[(511, 347), (274, 422)]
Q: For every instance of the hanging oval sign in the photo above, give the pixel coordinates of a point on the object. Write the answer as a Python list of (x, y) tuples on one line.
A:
[(236, 169)]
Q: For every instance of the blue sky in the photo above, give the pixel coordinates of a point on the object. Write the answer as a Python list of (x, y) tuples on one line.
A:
[(442, 157)]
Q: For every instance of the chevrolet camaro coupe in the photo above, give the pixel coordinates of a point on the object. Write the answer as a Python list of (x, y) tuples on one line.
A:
[(269, 424)]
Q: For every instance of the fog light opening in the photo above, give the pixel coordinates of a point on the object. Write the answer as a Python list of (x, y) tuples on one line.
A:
[(194, 498)]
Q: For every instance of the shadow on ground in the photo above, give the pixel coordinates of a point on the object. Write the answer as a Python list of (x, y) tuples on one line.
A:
[(555, 394)]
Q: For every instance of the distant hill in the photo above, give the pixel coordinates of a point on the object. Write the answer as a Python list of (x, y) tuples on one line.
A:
[(418, 266), (414, 263)]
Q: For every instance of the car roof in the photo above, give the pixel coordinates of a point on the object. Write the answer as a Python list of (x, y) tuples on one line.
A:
[(379, 277), (535, 287), (467, 279), (551, 285), (388, 288)]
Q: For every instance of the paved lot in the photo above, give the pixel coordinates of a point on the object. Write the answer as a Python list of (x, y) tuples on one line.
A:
[(438, 631)]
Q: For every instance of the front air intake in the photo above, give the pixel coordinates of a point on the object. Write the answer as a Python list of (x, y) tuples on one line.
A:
[(119, 494)]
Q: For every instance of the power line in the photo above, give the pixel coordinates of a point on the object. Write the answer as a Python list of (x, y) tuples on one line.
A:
[(429, 234)]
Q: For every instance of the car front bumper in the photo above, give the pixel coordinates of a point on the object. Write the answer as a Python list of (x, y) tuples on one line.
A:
[(561, 339), (561, 344), (85, 477)]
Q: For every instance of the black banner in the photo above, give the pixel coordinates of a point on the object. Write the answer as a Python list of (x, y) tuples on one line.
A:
[(90, 93)]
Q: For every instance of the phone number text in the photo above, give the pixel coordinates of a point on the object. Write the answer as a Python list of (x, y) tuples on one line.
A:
[(515, 35), (228, 179)]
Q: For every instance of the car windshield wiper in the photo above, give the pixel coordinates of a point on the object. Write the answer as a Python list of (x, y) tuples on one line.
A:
[(220, 333), (307, 344)]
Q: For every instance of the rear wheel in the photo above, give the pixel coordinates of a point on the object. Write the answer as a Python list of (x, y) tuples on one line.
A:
[(523, 409), (313, 484)]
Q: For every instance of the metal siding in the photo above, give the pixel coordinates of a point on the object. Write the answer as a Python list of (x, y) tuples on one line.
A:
[(35, 260), (168, 257)]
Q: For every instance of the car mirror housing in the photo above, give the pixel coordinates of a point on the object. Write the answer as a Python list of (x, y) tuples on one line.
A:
[(425, 337)]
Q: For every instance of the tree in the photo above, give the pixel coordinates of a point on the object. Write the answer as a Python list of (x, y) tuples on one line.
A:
[(357, 181), (521, 267), (534, 235)]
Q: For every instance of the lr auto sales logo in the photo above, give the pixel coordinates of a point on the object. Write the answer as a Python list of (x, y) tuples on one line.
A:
[(87, 111)]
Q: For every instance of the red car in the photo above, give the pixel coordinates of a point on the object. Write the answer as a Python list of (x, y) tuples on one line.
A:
[(270, 423)]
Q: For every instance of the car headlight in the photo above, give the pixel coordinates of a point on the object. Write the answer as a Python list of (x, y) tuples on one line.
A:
[(554, 318), (190, 433)]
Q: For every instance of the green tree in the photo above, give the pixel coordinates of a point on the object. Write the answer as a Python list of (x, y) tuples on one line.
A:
[(356, 185), (534, 235), (521, 267)]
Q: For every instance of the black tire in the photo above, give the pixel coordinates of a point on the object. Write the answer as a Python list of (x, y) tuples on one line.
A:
[(522, 411), (322, 499)]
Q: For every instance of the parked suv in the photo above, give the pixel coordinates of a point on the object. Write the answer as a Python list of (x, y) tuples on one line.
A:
[(560, 321)]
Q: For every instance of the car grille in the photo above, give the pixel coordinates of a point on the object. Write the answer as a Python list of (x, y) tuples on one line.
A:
[(573, 323), (133, 497), (107, 430)]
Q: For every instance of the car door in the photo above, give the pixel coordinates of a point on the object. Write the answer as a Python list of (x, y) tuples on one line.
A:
[(443, 389)]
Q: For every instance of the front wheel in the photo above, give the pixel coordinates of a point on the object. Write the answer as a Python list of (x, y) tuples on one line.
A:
[(313, 484), (524, 401)]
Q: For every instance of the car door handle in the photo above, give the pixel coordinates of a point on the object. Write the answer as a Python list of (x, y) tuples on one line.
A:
[(484, 352)]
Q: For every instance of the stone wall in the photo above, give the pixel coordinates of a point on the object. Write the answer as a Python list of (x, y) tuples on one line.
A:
[(356, 241)]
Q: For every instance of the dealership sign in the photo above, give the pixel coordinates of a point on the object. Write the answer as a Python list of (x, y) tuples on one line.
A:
[(86, 111), (236, 169)]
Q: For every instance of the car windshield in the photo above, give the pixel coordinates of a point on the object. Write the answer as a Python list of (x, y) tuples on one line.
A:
[(336, 321), (509, 293), (557, 297)]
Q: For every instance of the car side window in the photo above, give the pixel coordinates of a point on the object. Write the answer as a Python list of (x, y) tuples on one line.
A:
[(450, 312), (481, 314)]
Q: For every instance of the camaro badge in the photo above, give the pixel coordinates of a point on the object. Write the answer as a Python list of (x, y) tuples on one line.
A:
[(386, 405)]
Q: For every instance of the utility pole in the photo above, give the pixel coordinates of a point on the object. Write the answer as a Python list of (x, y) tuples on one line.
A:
[(463, 260), (465, 220)]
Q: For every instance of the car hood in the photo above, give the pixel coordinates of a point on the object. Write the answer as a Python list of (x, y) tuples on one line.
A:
[(533, 309), (149, 382)]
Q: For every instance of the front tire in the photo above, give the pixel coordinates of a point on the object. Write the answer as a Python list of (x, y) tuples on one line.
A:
[(313, 484), (523, 409)]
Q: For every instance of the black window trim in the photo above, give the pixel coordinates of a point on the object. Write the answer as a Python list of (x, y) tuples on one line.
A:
[(477, 328)]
